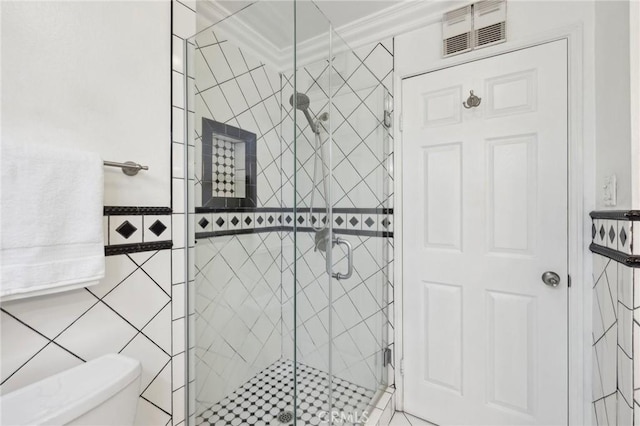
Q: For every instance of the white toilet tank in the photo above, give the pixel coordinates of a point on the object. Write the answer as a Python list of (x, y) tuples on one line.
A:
[(103, 391)]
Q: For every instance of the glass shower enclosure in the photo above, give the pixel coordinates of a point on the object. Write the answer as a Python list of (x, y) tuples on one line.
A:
[(288, 198)]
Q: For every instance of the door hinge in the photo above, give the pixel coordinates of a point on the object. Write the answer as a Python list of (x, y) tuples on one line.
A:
[(402, 367), (387, 356), (400, 122)]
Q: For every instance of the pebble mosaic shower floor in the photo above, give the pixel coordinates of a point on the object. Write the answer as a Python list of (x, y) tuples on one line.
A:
[(259, 401)]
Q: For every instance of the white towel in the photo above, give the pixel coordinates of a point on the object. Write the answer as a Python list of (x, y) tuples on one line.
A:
[(51, 223)]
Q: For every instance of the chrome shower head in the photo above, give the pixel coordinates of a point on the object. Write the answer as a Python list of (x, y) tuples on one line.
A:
[(301, 101)]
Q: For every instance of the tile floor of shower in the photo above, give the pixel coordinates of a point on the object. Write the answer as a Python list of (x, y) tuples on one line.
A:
[(260, 400)]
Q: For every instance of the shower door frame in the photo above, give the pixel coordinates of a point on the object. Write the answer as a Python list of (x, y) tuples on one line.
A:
[(580, 199)]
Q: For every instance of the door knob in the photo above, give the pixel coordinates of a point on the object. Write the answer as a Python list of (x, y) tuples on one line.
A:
[(551, 279)]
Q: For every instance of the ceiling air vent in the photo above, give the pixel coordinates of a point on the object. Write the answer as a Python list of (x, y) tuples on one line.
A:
[(489, 22), (456, 31)]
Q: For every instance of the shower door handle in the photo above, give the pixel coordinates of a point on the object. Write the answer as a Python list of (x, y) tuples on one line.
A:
[(338, 275)]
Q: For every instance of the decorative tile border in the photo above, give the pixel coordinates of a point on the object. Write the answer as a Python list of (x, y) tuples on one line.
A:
[(350, 221), (130, 229), (133, 210), (632, 215), (612, 236), (136, 248)]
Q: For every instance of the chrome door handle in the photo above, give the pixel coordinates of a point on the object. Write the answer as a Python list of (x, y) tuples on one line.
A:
[(551, 279), (338, 275)]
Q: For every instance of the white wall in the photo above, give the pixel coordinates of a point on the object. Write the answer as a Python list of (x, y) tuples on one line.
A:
[(96, 76), (634, 71), (613, 137), (92, 76)]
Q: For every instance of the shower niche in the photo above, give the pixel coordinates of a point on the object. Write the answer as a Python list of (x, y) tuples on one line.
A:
[(228, 164)]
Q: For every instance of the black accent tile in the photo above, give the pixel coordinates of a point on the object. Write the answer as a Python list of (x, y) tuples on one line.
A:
[(157, 228), (136, 248), (353, 221), (126, 229), (203, 222), (620, 257), (623, 236), (602, 231), (300, 219), (369, 222), (133, 210), (612, 234), (248, 220), (260, 219), (632, 215), (270, 219), (220, 222), (339, 220), (593, 230), (359, 232), (235, 221), (385, 223), (288, 219)]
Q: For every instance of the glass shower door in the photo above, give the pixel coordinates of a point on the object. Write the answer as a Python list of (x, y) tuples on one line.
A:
[(241, 298), (341, 195), (359, 191), (306, 102)]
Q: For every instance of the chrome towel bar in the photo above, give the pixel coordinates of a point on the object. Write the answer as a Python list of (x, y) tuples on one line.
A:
[(129, 168)]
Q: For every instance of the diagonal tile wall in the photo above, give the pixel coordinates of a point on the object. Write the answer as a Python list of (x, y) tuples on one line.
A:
[(615, 317), (361, 84), (236, 89), (238, 311), (605, 335), (359, 311), (66, 329), (237, 293)]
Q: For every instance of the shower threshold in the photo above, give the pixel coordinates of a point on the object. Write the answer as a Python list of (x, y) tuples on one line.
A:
[(268, 394)]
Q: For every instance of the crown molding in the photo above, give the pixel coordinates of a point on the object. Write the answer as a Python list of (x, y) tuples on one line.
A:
[(240, 34), (392, 21), (397, 19)]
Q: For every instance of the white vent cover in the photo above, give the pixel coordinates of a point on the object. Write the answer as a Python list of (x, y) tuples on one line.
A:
[(457, 31), (477, 25), (489, 22)]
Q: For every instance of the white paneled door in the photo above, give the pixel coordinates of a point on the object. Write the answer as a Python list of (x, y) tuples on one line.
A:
[(485, 215)]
